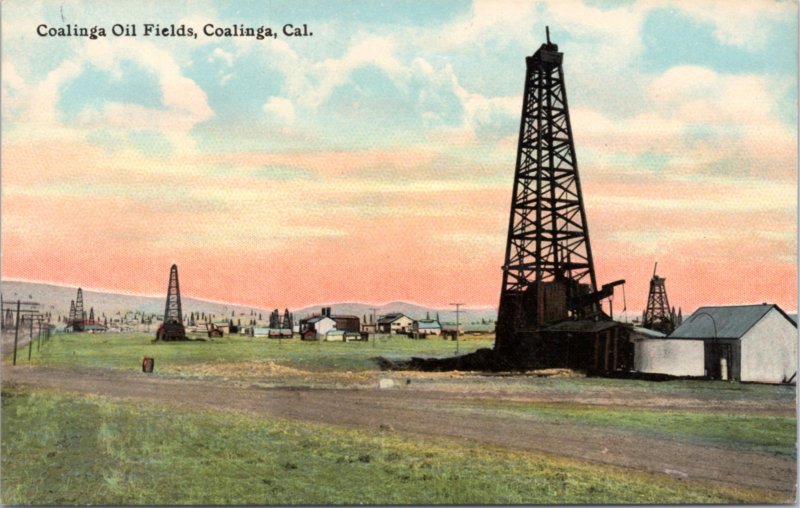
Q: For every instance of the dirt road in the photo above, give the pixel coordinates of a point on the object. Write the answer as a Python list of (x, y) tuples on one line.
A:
[(432, 413)]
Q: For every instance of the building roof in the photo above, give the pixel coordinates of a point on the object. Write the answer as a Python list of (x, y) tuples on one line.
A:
[(428, 323), (730, 322), (391, 318), (581, 326), (317, 319), (647, 332)]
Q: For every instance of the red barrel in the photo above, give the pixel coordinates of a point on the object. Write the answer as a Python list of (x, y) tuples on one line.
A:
[(148, 362)]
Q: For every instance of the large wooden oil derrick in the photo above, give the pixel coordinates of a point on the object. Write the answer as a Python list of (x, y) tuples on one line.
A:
[(548, 274)]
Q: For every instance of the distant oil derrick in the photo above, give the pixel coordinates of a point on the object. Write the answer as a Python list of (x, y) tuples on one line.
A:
[(77, 318), (548, 274), (80, 317), (275, 319), (658, 315), (172, 327)]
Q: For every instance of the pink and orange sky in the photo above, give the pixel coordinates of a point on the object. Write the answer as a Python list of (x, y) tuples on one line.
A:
[(374, 160)]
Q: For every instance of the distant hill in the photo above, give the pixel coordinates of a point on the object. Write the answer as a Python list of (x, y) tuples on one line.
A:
[(56, 299)]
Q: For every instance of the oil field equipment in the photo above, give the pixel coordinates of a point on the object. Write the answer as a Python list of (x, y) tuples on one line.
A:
[(71, 317), (76, 316), (172, 327), (213, 330), (77, 321), (548, 273), (658, 315)]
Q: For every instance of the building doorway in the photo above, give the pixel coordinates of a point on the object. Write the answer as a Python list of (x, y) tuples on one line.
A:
[(719, 361)]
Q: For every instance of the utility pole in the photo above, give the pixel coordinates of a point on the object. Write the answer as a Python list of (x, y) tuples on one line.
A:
[(30, 343), (458, 309), (375, 324)]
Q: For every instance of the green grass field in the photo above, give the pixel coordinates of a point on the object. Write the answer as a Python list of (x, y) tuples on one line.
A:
[(771, 434), (125, 351), (60, 449)]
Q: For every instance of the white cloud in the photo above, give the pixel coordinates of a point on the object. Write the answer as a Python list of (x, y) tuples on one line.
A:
[(487, 18), (698, 119), (42, 108), (11, 79), (369, 50), (281, 108), (180, 95), (615, 32), (221, 54), (184, 103), (739, 23), (13, 86)]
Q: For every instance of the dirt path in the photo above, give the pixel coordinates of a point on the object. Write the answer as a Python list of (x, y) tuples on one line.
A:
[(437, 414)]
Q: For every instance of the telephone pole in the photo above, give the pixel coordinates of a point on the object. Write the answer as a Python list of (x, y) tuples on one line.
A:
[(375, 324), (458, 310)]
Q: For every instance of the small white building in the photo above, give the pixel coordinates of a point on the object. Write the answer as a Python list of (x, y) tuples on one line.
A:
[(259, 331), (341, 335), (320, 324), (755, 343), (427, 327), (654, 353)]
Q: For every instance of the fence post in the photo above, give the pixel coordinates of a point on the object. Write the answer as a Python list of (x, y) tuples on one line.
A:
[(30, 341), (16, 336)]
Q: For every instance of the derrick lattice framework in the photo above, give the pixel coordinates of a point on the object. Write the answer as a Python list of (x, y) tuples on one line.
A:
[(172, 328), (548, 263), (71, 318), (77, 318), (658, 315)]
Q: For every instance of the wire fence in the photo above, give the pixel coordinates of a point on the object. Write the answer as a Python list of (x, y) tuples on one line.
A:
[(23, 325)]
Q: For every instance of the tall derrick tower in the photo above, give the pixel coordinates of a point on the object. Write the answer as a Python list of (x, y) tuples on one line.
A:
[(658, 315), (71, 318), (79, 318), (172, 328), (548, 274)]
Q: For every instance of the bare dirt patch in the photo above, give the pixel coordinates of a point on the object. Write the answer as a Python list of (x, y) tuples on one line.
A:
[(263, 369)]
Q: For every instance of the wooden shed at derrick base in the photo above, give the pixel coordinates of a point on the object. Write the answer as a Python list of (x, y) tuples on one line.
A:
[(598, 347), (744, 342)]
